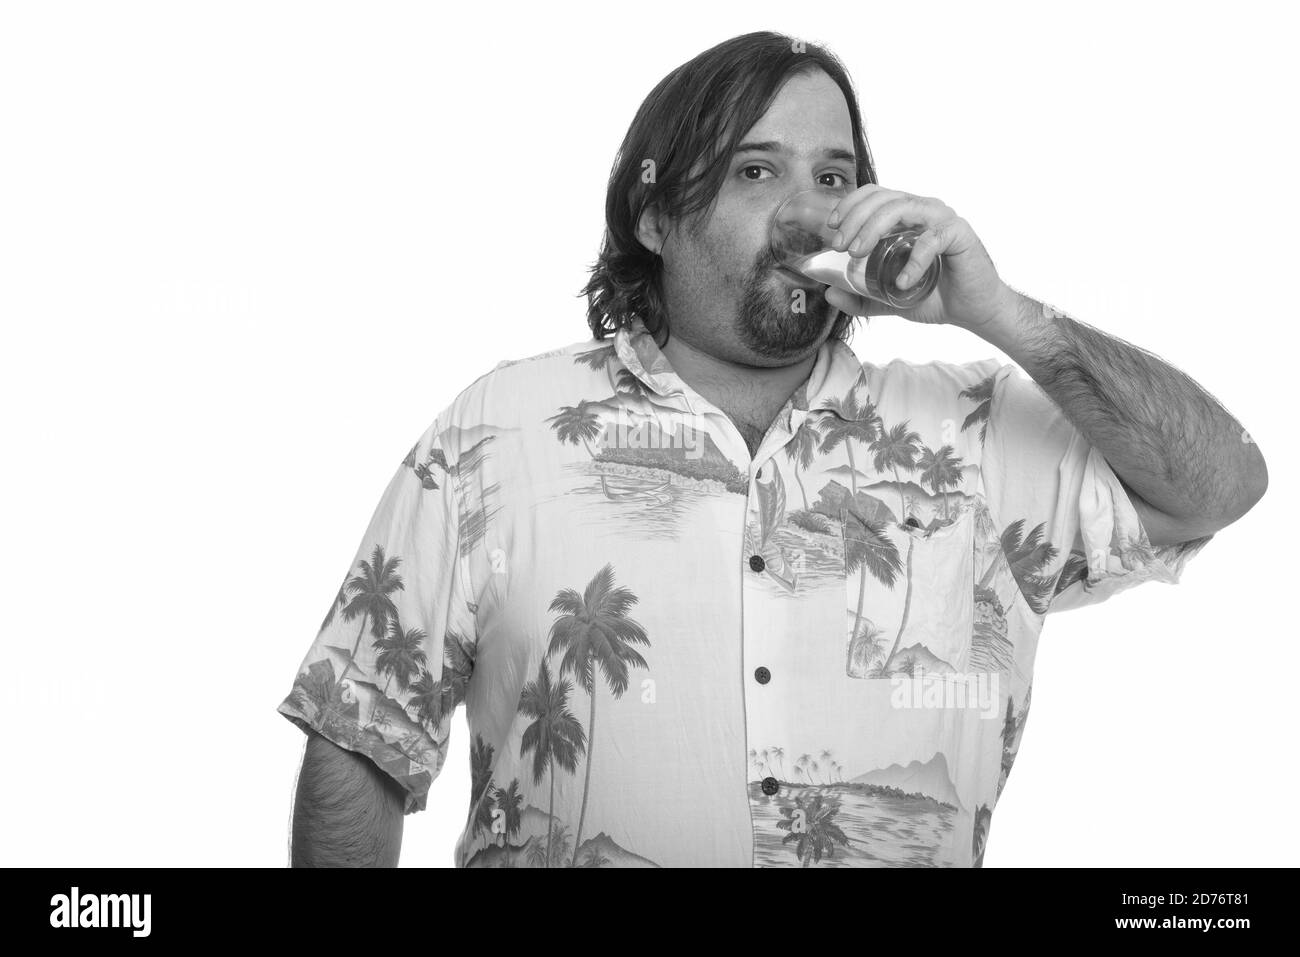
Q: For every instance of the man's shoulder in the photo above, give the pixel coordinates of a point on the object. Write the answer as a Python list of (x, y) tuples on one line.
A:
[(581, 352), (936, 376), (574, 362), (520, 392)]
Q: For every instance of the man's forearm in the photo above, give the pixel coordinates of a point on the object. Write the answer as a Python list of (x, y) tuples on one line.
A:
[(1164, 436), (347, 813)]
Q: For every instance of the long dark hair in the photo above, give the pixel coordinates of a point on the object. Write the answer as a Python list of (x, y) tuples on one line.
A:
[(696, 116)]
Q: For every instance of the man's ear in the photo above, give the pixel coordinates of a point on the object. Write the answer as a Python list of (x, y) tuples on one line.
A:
[(652, 229)]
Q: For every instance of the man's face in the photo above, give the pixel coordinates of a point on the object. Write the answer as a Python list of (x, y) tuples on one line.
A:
[(726, 294)]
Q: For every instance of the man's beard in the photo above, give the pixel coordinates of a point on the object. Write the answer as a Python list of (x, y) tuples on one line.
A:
[(767, 322)]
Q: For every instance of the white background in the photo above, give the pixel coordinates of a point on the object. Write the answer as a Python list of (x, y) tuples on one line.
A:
[(248, 250)]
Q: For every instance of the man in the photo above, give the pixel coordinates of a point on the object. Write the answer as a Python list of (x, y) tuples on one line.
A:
[(716, 592)]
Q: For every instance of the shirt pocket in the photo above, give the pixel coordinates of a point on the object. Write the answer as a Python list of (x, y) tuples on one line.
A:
[(910, 596)]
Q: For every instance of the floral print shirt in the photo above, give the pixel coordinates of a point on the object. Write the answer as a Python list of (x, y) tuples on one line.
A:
[(672, 654)]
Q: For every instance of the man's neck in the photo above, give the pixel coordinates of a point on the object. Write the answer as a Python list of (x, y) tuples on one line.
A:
[(751, 396)]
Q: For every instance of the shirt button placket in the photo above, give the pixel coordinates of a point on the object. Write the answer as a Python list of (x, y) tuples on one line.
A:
[(757, 694)]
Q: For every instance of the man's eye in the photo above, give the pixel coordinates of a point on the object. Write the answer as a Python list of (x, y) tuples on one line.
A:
[(845, 179), (745, 169)]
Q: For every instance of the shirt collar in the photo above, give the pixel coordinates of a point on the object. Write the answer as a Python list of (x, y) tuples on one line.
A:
[(836, 384)]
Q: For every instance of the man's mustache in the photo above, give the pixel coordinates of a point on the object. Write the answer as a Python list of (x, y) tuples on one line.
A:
[(769, 263)]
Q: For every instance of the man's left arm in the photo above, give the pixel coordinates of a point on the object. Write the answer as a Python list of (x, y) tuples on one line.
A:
[(1188, 465)]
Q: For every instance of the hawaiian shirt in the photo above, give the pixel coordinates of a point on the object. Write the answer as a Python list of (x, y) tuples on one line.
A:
[(673, 654)]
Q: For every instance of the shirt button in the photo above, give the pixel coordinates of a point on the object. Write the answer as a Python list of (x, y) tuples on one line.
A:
[(756, 562), (771, 785), (762, 675)]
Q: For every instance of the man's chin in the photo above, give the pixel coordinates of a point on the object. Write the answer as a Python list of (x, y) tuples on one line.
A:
[(797, 312), (783, 333)]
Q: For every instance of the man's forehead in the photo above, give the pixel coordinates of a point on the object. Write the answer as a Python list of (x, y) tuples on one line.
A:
[(809, 123), (794, 147)]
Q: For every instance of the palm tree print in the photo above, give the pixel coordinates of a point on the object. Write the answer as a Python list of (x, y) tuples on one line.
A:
[(812, 827), (941, 469), (867, 548), (372, 589), (982, 394), (594, 631), (801, 450), (538, 855), (1074, 570), (560, 850), (577, 423), (867, 656), (826, 757), (894, 449), (480, 777), (508, 801), (1028, 558), (778, 755), (434, 700), (597, 358), (806, 766), (866, 545), (860, 423), (401, 656), (627, 383), (554, 737)]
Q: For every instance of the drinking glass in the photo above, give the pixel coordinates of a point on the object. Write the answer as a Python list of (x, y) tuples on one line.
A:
[(800, 240)]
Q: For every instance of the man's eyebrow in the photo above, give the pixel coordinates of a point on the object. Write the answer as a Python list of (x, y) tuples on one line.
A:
[(772, 146)]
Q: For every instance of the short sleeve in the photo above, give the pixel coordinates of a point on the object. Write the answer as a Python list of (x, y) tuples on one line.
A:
[(393, 657), (1068, 527)]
